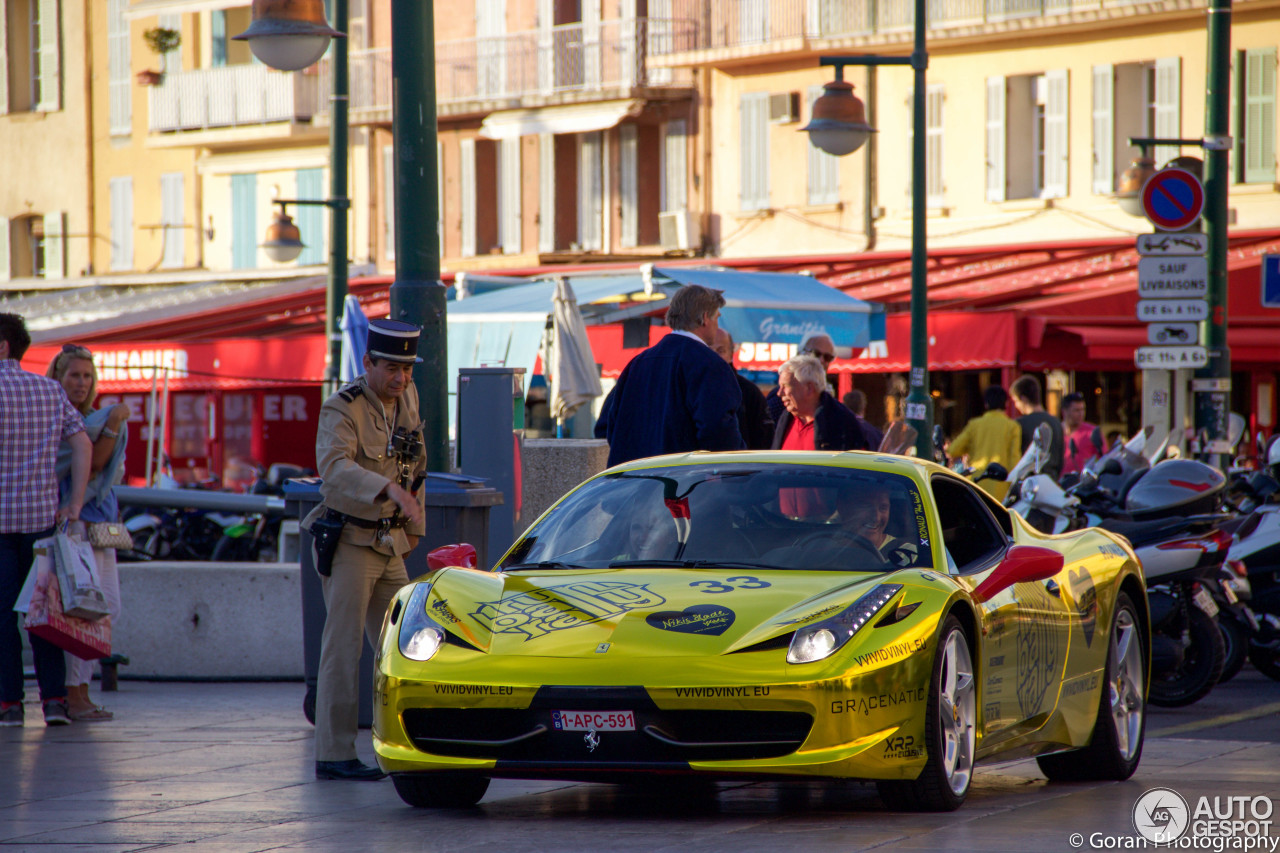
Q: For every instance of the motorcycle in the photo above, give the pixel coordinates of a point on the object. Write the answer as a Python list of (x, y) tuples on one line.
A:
[(255, 537), (1256, 545)]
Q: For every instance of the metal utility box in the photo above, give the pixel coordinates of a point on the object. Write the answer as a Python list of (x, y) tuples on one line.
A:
[(488, 400)]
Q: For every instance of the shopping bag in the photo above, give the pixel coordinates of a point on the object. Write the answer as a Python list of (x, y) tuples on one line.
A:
[(43, 562), (77, 573), (45, 619)]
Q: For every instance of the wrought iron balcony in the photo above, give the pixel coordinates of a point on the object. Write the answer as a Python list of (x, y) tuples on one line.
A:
[(231, 96)]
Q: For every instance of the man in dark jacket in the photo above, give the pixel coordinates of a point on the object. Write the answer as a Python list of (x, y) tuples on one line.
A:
[(678, 395), (753, 418), (813, 420)]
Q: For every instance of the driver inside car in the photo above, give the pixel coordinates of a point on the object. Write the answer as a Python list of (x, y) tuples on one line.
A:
[(865, 512)]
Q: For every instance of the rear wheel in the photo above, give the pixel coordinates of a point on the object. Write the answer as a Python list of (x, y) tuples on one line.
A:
[(949, 733), (1235, 643), (1201, 664), (440, 790), (1118, 731)]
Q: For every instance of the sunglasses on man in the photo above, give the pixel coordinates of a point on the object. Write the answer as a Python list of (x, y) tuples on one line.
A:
[(826, 357)]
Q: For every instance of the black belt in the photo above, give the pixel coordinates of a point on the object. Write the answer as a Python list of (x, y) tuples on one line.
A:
[(383, 523)]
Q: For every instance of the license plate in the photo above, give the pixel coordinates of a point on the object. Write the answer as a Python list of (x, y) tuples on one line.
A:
[(1229, 593), (1205, 602), (594, 721)]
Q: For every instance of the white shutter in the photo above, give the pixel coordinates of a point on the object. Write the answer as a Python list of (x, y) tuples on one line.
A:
[(1168, 101), (1260, 115), (824, 181), (121, 224), (50, 57), (675, 171), (172, 214), (590, 190), (173, 59), (1104, 121), (55, 245), (4, 99), (119, 82), (934, 187), (754, 166), (591, 44), (5, 269), (389, 199), (546, 193), (1055, 134), (628, 185), (995, 138), (467, 175), (509, 206)]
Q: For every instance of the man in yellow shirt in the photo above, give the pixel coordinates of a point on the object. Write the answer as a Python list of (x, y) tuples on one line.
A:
[(992, 437)]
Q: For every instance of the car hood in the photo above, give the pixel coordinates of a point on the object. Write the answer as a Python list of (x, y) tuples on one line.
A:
[(636, 612)]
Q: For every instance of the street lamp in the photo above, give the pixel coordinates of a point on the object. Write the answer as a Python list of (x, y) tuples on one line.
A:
[(284, 240), (839, 127), (289, 35)]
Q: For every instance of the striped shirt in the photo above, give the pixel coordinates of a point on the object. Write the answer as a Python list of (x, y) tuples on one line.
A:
[(35, 415)]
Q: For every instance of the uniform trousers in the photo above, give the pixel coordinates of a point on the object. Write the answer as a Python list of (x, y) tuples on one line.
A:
[(79, 670), (356, 595)]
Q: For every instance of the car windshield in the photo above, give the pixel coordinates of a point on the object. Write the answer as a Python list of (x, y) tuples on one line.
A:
[(769, 516)]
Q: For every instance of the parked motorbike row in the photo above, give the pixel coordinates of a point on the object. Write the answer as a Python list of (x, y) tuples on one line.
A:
[(184, 533), (1209, 548)]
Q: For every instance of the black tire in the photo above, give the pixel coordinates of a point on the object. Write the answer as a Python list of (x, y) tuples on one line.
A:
[(1266, 659), (1115, 748), (1201, 665), (440, 790), (229, 550), (943, 784), (1235, 644)]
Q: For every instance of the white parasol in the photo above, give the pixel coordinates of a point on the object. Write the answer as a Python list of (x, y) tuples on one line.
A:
[(571, 368)]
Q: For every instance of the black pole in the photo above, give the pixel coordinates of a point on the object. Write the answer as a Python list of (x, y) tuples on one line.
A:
[(417, 296), (336, 289)]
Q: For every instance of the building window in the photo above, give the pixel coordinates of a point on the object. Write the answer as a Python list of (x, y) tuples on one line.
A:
[(824, 168), (121, 224), (1133, 99), (1032, 108), (218, 38), (628, 189), (244, 221), (591, 191), (173, 59), (754, 151), (30, 57), (171, 220), (509, 207), (675, 172), (1256, 115)]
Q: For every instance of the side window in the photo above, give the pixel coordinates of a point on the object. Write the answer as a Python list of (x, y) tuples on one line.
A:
[(969, 533)]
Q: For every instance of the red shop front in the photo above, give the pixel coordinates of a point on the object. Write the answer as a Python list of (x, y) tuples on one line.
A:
[(217, 404)]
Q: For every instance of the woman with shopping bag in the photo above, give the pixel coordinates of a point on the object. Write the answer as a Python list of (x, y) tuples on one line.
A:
[(108, 429)]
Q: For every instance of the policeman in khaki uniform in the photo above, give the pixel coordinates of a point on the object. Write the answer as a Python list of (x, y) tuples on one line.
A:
[(369, 453)]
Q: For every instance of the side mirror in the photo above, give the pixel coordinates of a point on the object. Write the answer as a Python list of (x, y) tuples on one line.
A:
[(461, 554), (1022, 563), (995, 471), (1112, 466), (1096, 438)]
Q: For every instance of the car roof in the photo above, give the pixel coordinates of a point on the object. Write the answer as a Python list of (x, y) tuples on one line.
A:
[(917, 470)]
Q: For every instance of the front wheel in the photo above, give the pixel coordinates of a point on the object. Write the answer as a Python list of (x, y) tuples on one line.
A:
[(1266, 659), (440, 790), (950, 725), (1201, 664), (1118, 731), (1235, 643)]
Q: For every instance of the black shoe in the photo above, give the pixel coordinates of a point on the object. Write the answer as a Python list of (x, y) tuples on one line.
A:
[(350, 769)]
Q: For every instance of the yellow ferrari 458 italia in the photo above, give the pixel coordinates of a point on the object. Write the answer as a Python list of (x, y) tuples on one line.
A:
[(768, 615)]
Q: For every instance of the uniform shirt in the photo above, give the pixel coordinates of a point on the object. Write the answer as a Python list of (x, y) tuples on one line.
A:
[(35, 415)]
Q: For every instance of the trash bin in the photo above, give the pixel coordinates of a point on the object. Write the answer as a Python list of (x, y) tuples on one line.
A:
[(457, 510)]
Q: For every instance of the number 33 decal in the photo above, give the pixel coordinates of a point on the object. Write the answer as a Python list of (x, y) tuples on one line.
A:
[(742, 581)]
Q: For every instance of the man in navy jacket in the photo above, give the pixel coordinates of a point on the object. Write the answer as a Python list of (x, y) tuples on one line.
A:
[(678, 395)]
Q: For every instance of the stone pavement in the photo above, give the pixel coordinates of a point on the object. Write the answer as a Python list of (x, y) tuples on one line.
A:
[(228, 767)]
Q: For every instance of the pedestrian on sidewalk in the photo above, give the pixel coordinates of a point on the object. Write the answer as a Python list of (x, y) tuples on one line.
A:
[(1027, 399), (993, 436), (753, 417), (35, 415), (1077, 434)]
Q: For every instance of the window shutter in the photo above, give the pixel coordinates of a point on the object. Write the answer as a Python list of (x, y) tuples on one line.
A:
[(310, 217), (122, 223), (244, 221), (1104, 168), (50, 57), (995, 138), (6, 271), (935, 188), (755, 154), (753, 21), (1055, 134), (824, 187), (119, 84), (590, 186), (510, 208), (675, 187), (628, 192), (1260, 116), (4, 99), (218, 37), (467, 175), (546, 192), (171, 217), (1168, 100), (389, 200), (55, 245)]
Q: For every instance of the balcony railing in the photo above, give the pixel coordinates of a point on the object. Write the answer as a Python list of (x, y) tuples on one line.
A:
[(710, 24), (232, 96), (573, 59)]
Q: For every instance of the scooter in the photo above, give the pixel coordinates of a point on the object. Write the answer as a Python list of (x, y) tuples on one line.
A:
[(1256, 545), (255, 537)]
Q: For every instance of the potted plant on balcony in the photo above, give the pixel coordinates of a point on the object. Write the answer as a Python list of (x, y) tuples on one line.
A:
[(162, 42)]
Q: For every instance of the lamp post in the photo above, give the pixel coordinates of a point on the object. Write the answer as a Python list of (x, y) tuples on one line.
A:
[(839, 127), (290, 35), (417, 296)]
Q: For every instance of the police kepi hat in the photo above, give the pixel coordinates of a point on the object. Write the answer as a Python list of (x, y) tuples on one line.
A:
[(393, 340)]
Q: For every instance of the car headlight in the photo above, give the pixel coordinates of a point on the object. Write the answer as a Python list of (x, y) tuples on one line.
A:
[(420, 635), (820, 640)]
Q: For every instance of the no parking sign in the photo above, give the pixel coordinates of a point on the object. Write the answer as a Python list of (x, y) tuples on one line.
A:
[(1172, 199)]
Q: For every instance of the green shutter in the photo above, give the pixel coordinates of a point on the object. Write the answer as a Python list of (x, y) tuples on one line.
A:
[(244, 221), (310, 217)]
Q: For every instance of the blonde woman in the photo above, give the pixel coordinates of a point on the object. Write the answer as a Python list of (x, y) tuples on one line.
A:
[(108, 429)]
